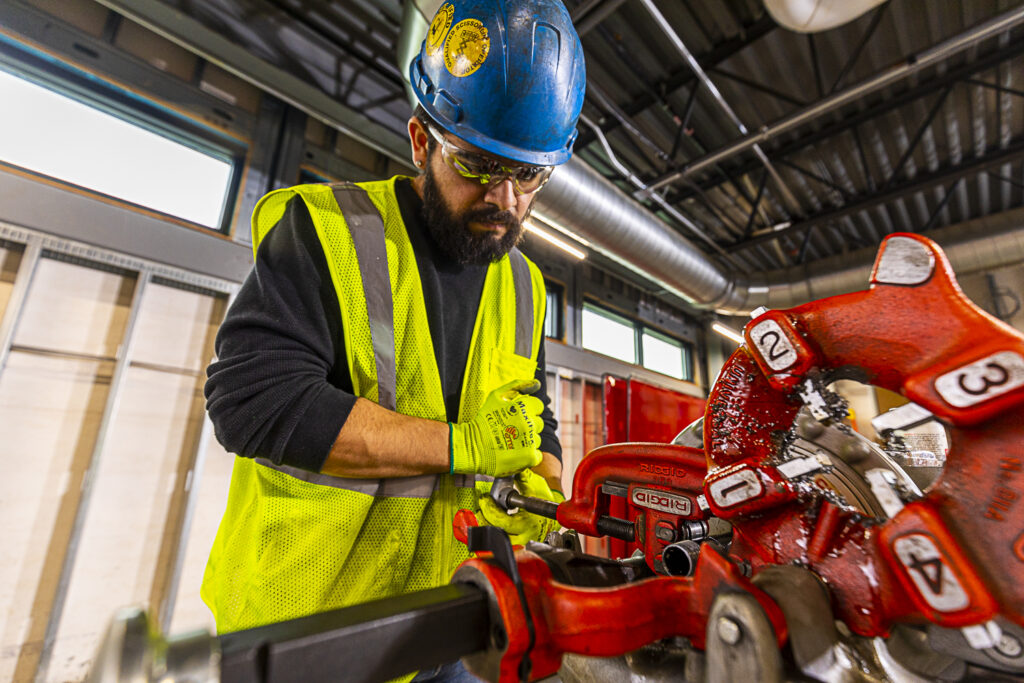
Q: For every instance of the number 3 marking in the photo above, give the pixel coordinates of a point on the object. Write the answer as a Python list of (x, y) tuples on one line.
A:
[(982, 380), (987, 383)]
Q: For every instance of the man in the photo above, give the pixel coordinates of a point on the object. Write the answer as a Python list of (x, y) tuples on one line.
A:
[(375, 370)]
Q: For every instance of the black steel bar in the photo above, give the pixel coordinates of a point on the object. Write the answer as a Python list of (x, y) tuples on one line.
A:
[(876, 19), (816, 64), (684, 76), (814, 176), (538, 506), (806, 243), (757, 203), (942, 204), (995, 86), (862, 155), (883, 106), (760, 87), (366, 643), (921, 182), (917, 136), (1011, 181)]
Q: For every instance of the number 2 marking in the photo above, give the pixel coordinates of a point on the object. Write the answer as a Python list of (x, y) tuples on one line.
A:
[(773, 353), (776, 350)]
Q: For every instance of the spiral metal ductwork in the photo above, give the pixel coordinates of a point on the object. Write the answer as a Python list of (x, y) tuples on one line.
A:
[(580, 201)]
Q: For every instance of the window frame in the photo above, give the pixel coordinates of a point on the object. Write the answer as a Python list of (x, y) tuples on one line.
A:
[(616, 317), (559, 321), (685, 351), (67, 80), (639, 329)]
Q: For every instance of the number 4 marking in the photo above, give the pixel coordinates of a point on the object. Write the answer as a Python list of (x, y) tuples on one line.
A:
[(927, 568), (931, 571)]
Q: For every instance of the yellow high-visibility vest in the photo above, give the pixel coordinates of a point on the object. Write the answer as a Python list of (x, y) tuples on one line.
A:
[(293, 542)]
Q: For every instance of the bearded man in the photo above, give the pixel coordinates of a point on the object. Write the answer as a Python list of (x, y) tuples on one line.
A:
[(384, 360)]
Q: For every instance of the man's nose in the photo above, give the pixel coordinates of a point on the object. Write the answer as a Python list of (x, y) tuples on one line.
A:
[(501, 194)]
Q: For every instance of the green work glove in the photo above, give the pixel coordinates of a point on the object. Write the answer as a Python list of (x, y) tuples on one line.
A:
[(522, 526), (503, 438)]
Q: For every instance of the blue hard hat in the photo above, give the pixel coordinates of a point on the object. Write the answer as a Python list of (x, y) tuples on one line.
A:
[(504, 75)]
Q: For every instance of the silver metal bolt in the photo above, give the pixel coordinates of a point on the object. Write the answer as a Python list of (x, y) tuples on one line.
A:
[(1010, 646), (729, 631), (808, 427)]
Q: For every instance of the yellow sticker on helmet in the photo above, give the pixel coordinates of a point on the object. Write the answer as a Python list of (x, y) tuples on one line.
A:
[(439, 28), (466, 47)]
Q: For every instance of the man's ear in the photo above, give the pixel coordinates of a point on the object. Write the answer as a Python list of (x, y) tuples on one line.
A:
[(418, 139)]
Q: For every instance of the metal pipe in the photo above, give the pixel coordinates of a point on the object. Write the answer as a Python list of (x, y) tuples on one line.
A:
[(987, 29), (165, 610), (16, 300), (124, 354), (977, 245), (639, 184), (695, 66), (580, 201), (595, 17)]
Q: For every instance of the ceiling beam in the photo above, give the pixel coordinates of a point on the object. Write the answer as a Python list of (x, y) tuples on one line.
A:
[(922, 182), (685, 76), (849, 123)]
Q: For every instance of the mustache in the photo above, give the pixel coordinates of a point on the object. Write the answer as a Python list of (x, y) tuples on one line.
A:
[(506, 218)]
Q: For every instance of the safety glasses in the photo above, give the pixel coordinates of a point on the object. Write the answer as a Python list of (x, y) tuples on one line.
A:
[(487, 170)]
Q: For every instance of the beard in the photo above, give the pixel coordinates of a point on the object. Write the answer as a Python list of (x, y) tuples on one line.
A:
[(451, 232)]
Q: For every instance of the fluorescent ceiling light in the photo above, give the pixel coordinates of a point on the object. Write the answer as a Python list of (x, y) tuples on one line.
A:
[(551, 239), (727, 332)]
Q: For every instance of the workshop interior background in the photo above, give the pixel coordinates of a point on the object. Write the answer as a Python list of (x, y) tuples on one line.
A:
[(136, 137)]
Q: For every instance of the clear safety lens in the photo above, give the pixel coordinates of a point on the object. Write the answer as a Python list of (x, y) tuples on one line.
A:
[(487, 170)]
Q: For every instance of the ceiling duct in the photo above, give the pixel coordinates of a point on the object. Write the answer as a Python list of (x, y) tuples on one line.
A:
[(580, 201), (577, 200)]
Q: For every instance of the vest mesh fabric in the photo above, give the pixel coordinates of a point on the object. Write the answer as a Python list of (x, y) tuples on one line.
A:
[(286, 547)]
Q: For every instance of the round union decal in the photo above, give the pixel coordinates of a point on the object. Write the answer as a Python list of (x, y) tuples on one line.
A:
[(438, 30), (466, 47)]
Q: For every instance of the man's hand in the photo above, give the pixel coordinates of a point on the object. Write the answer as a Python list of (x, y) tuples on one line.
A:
[(504, 437), (523, 526)]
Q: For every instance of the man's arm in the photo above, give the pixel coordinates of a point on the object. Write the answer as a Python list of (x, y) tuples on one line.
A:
[(377, 442)]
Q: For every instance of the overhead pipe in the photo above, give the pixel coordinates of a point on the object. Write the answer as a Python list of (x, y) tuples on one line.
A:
[(978, 245), (680, 46), (987, 29), (580, 202)]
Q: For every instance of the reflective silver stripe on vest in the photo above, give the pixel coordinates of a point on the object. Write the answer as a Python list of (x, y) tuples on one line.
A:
[(420, 486), (524, 302), (367, 229), (367, 486)]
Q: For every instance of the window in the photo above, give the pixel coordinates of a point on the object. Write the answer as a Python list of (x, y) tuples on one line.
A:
[(51, 134), (617, 336), (553, 315), (663, 354), (608, 333)]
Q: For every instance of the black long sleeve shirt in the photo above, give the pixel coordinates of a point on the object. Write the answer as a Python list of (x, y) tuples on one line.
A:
[(280, 388)]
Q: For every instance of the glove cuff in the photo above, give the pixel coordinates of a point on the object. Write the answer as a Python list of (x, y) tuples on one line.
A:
[(464, 456), (451, 448)]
